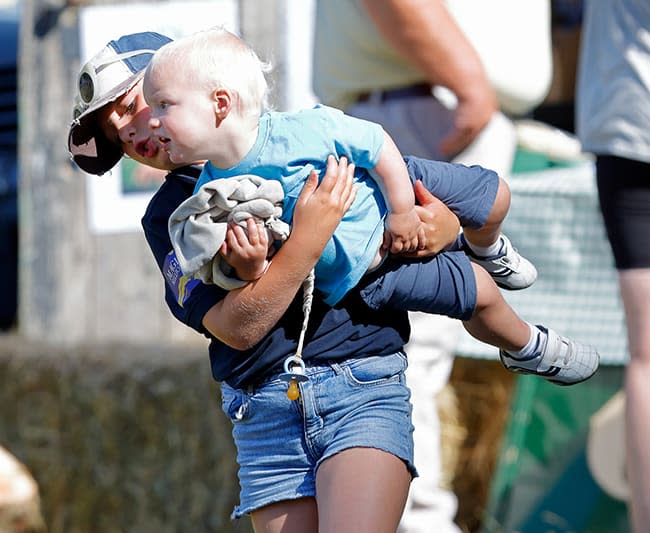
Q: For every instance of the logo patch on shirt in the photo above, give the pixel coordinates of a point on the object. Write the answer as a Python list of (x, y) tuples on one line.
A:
[(180, 284)]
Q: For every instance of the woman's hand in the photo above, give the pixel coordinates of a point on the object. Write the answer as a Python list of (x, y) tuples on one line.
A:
[(320, 208), (476, 106), (440, 224)]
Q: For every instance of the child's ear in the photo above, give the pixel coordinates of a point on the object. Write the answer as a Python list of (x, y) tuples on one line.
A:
[(222, 102)]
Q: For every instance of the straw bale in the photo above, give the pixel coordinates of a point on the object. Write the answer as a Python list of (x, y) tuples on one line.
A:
[(120, 437), (473, 408)]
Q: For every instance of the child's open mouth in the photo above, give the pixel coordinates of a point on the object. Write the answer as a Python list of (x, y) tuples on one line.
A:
[(164, 142)]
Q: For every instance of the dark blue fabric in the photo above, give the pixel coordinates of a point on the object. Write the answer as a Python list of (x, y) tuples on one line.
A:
[(441, 285), (9, 26), (138, 41), (468, 191), (444, 284), (8, 239), (348, 330), (8, 87)]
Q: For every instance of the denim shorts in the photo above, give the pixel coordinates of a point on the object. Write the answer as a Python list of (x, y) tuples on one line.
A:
[(280, 443)]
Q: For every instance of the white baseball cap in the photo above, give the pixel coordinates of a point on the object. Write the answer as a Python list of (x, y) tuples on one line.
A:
[(103, 79)]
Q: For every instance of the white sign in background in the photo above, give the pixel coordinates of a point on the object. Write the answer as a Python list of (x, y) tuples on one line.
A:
[(110, 210), (298, 42)]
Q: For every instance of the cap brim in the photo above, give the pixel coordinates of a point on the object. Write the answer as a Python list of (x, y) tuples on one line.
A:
[(91, 150), (87, 144)]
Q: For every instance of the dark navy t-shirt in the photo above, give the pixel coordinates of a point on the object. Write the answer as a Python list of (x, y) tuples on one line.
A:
[(348, 330)]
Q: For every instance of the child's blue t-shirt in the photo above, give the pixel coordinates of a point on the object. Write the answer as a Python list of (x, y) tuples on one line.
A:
[(288, 147)]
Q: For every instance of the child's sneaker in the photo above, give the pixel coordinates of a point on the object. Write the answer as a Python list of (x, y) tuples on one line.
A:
[(508, 269), (561, 360)]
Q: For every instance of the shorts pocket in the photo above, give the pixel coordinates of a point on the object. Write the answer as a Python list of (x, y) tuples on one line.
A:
[(376, 370), (234, 403)]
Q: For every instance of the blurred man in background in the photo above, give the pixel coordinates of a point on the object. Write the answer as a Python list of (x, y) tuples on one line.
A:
[(441, 78)]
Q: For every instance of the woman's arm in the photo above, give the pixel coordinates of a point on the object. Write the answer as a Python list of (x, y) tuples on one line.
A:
[(246, 315)]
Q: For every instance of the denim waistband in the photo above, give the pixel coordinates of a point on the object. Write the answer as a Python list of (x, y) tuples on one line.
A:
[(315, 367)]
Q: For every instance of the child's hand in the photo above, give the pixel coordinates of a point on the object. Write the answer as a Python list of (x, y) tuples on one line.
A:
[(246, 250), (405, 232)]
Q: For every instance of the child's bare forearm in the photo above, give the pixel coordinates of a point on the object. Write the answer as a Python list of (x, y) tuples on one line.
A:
[(403, 224), (394, 179)]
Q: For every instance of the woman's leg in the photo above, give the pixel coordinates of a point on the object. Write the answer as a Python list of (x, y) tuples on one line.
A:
[(624, 196), (635, 293), (289, 516), (361, 489), (321, 456)]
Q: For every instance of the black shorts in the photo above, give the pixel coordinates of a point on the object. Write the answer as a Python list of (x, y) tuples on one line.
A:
[(624, 194)]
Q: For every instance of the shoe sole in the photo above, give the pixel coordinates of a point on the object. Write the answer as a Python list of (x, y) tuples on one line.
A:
[(508, 288), (525, 372)]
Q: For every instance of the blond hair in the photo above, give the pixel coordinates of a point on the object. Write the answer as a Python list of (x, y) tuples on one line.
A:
[(216, 58)]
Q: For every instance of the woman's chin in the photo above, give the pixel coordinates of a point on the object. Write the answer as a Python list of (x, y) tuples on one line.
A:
[(176, 159)]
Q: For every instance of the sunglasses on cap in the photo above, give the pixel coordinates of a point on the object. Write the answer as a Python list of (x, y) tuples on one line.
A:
[(91, 79)]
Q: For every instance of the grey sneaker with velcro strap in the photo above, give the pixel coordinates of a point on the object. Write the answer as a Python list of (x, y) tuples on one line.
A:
[(560, 360), (508, 269)]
